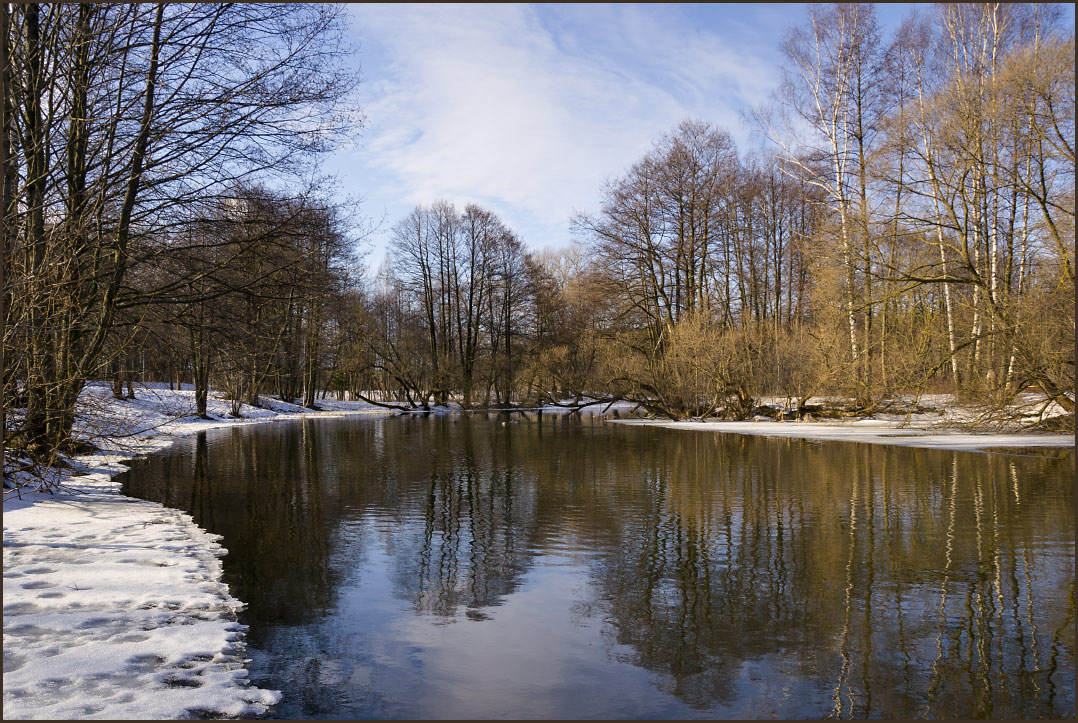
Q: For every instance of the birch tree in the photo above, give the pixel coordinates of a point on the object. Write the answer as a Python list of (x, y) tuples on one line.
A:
[(827, 96)]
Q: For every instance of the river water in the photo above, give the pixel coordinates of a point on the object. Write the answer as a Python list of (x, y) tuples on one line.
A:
[(551, 567)]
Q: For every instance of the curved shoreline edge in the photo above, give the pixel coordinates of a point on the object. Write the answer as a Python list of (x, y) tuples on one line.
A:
[(114, 606)]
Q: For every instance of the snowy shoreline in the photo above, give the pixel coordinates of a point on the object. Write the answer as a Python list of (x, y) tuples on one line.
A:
[(934, 421), (114, 606)]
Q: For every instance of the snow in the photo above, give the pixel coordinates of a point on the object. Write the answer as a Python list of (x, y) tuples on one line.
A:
[(934, 421), (113, 606), (594, 408), (868, 431)]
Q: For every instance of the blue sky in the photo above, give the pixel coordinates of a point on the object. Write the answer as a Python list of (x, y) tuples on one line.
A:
[(528, 109)]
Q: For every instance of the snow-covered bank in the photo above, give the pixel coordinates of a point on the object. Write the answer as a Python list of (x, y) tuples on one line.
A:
[(869, 432), (113, 606)]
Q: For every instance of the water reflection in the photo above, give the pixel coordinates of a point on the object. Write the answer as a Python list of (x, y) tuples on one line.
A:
[(602, 571), (468, 512)]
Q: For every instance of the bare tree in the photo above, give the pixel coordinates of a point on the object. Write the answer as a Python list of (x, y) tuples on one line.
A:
[(125, 122), (829, 92)]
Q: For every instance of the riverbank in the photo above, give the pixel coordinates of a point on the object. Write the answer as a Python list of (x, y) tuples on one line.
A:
[(935, 422), (114, 606)]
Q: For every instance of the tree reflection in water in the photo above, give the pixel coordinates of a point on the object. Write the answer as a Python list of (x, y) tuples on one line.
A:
[(815, 579)]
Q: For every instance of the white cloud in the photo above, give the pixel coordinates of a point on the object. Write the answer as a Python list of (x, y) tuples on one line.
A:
[(527, 110)]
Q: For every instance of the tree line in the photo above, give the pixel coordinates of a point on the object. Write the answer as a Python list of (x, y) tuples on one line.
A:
[(908, 225)]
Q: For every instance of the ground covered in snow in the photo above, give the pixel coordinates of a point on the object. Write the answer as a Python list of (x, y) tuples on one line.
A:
[(935, 422), (113, 607)]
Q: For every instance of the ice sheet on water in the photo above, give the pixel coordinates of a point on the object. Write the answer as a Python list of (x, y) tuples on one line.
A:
[(870, 432)]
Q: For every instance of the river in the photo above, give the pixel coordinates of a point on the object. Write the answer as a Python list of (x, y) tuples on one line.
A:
[(539, 566)]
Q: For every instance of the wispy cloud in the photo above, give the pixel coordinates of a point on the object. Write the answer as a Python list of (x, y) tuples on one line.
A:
[(528, 109)]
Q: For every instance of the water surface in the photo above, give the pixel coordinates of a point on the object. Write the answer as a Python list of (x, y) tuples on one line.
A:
[(552, 567)]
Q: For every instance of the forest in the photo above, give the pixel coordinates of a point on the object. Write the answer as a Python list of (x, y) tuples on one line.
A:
[(906, 225)]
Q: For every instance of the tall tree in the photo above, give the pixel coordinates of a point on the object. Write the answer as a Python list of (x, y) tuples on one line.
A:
[(127, 121), (828, 88)]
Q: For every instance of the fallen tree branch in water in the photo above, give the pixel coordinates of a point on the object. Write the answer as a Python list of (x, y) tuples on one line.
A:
[(577, 405), (389, 405)]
